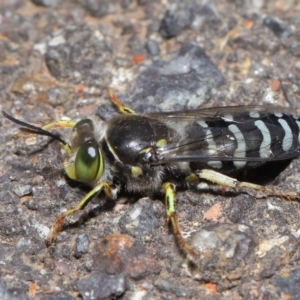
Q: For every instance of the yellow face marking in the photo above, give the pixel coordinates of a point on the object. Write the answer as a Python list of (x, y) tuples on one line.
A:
[(67, 149), (70, 169)]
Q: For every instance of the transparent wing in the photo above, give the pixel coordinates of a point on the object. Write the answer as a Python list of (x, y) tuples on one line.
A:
[(214, 113), (216, 143)]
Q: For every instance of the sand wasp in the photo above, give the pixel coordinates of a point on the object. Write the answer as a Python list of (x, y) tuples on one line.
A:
[(162, 152)]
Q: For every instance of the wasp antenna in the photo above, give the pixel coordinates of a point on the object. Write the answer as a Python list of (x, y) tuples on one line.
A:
[(34, 129)]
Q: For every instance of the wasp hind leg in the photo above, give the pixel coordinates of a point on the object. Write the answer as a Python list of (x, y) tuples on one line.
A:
[(121, 107), (169, 190), (222, 180), (59, 225), (245, 187)]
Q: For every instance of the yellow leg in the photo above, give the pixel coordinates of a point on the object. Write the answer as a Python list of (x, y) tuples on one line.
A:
[(245, 187), (58, 224), (170, 199), (121, 107), (59, 124), (220, 180)]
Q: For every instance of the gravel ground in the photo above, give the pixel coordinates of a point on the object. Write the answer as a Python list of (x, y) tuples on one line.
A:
[(56, 59)]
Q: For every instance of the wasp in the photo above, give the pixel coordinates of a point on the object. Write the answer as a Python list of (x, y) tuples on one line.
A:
[(162, 152)]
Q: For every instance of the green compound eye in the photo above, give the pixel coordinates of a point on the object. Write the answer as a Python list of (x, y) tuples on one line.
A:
[(88, 163)]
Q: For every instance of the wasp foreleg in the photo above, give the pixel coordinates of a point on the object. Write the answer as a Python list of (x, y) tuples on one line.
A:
[(245, 187), (48, 126), (170, 199), (59, 124), (58, 224)]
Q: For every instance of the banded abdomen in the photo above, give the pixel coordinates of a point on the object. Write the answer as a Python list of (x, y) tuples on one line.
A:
[(244, 140)]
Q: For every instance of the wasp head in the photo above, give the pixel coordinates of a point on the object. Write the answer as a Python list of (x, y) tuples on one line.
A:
[(84, 161), (85, 164)]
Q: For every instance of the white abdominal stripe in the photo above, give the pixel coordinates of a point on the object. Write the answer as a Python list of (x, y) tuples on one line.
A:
[(240, 150), (288, 135), (265, 146), (212, 150), (251, 135)]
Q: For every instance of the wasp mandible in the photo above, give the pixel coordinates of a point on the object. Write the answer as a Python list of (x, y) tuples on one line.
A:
[(162, 152)]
